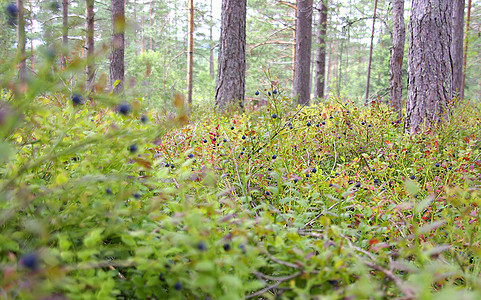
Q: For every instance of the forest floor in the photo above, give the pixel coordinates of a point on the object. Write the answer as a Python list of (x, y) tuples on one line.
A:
[(332, 200)]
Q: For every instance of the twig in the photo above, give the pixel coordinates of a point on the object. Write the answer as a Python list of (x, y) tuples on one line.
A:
[(273, 286), (281, 262), (407, 291)]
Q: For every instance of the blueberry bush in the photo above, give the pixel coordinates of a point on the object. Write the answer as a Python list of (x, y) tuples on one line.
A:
[(102, 198)]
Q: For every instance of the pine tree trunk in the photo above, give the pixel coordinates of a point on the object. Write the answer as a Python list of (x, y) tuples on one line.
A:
[(321, 53), (457, 45), (302, 85), (117, 46), (430, 73), (465, 56), (232, 62), (368, 78), (190, 51), (21, 41), (150, 25), (63, 60), (32, 57), (89, 43), (398, 36)]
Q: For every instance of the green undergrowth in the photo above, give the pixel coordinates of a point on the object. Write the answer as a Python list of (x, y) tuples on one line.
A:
[(105, 200)]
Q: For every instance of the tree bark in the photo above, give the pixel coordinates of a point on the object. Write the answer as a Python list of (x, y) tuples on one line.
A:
[(430, 73), (398, 36), (150, 25), (63, 59), (457, 45), (21, 41), (302, 85), (465, 56), (232, 62), (89, 43), (321, 53), (190, 51), (368, 78), (117, 46), (32, 56)]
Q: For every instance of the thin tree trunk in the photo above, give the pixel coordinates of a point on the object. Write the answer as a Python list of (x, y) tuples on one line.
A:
[(63, 60), (294, 49), (329, 64), (190, 51), (302, 85), (142, 45), (150, 25), (232, 62), (465, 55), (21, 40), (89, 44), (430, 73), (366, 94), (211, 44), (321, 53), (135, 27), (117, 46), (32, 58), (457, 45), (398, 36)]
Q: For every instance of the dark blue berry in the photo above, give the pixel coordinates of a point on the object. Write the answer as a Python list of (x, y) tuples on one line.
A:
[(437, 165), (12, 10), (136, 195), (108, 191), (77, 99), (191, 155), (178, 286), (124, 109), (29, 261), (257, 93), (274, 91), (161, 277), (205, 141), (308, 123), (274, 116), (201, 246), (314, 170), (269, 93), (232, 128), (133, 148), (296, 180), (144, 119), (226, 247), (412, 177), (243, 137), (274, 156)]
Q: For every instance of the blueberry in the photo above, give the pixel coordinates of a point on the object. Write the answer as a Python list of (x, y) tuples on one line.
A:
[(161, 277), (201, 246), (178, 286), (330, 117), (437, 165), (274, 91), (314, 170), (232, 128), (274, 156), (12, 10), (205, 141), (226, 247), (133, 148), (29, 261), (124, 109), (308, 123), (358, 185), (307, 175), (242, 153), (243, 137), (144, 119), (269, 93), (376, 181), (450, 167), (412, 177), (191, 155), (136, 195), (108, 191), (257, 93), (330, 184), (224, 140), (274, 116), (362, 123), (267, 193), (77, 99)]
